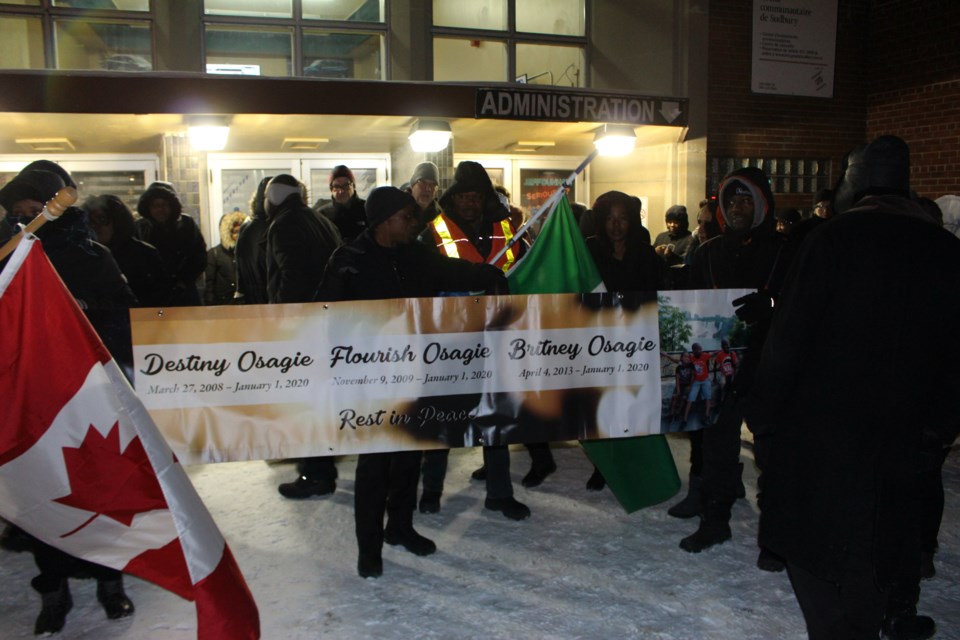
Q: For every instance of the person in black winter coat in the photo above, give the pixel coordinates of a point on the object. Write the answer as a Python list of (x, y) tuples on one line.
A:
[(220, 277), (177, 238), (251, 252), (672, 245), (748, 254), (346, 210), (141, 264), (625, 261), (94, 280), (847, 394), (385, 262), (299, 245)]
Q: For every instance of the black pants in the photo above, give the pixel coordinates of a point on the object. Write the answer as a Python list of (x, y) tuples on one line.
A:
[(850, 610), (386, 483), (715, 457), (56, 565), (495, 459)]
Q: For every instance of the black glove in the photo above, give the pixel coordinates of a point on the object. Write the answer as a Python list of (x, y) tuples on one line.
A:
[(496, 281), (754, 307)]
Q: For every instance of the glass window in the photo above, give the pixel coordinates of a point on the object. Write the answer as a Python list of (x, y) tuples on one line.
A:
[(112, 45), (342, 54), (21, 43), (471, 60), (249, 8), (550, 64), (269, 49), (350, 10), (565, 17), (26, 3), (476, 14), (119, 5)]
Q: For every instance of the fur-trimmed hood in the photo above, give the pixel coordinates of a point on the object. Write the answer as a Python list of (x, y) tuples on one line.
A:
[(227, 221)]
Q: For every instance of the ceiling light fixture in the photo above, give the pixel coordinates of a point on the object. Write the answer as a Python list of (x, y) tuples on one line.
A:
[(430, 136), (615, 139), (208, 133)]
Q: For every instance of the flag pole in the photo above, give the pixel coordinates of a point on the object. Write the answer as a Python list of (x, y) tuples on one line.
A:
[(546, 207), (51, 211)]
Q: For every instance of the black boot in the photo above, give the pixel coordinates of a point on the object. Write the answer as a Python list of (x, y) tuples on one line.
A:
[(480, 474), (907, 625), (769, 561), (53, 612), (304, 487), (689, 507), (409, 539), (370, 565), (509, 506), (430, 501), (709, 533), (596, 482), (115, 602), (537, 474)]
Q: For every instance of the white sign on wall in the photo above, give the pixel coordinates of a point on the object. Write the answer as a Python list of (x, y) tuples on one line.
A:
[(794, 47)]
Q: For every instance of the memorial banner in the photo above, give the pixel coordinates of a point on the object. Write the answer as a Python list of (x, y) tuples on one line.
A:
[(294, 380), (259, 382)]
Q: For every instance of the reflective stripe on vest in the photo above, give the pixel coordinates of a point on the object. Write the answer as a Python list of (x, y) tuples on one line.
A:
[(455, 244)]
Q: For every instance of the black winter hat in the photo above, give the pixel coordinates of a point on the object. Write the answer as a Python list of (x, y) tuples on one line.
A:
[(52, 167), (30, 184), (881, 167), (163, 190), (342, 171), (678, 213), (383, 202), (472, 177)]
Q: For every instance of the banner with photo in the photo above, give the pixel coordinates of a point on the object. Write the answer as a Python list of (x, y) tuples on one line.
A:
[(294, 380)]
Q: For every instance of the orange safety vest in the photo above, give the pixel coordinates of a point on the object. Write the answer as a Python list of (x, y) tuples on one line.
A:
[(455, 244)]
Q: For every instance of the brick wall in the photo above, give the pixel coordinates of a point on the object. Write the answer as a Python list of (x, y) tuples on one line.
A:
[(897, 72), (914, 71)]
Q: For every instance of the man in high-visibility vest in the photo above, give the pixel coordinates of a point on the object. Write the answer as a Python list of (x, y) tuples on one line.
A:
[(473, 225)]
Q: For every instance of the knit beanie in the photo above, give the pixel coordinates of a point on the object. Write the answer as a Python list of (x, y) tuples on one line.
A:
[(383, 202), (342, 171), (425, 171)]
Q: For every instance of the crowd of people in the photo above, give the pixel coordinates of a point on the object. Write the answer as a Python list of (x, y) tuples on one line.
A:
[(850, 487)]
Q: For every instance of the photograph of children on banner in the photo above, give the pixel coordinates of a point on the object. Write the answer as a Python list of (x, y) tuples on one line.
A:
[(702, 346)]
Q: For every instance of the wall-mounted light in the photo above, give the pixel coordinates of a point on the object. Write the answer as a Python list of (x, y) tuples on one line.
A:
[(615, 139), (208, 133), (430, 135)]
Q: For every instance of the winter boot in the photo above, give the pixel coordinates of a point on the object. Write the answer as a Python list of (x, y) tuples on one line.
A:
[(538, 473), (907, 625), (430, 502), (769, 561), (304, 487), (370, 565), (596, 482), (709, 533), (115, 602), (689, 507), (409, 539), (479, 474), (509, 506), (53, 611)]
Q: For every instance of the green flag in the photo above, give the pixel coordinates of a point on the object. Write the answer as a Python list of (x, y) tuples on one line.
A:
[(639, 471), (559, 261)]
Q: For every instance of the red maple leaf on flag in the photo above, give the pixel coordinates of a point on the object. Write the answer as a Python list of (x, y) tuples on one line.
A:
[(109, 482)]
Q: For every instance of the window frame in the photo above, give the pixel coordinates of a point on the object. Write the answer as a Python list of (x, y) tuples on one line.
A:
[(50, 14), (299, 24), (511, 36)]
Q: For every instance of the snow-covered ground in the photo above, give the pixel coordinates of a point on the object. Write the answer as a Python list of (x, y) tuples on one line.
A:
[(578, 568)]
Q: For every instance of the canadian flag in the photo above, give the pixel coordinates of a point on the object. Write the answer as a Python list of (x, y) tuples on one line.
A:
[(84, 468)]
